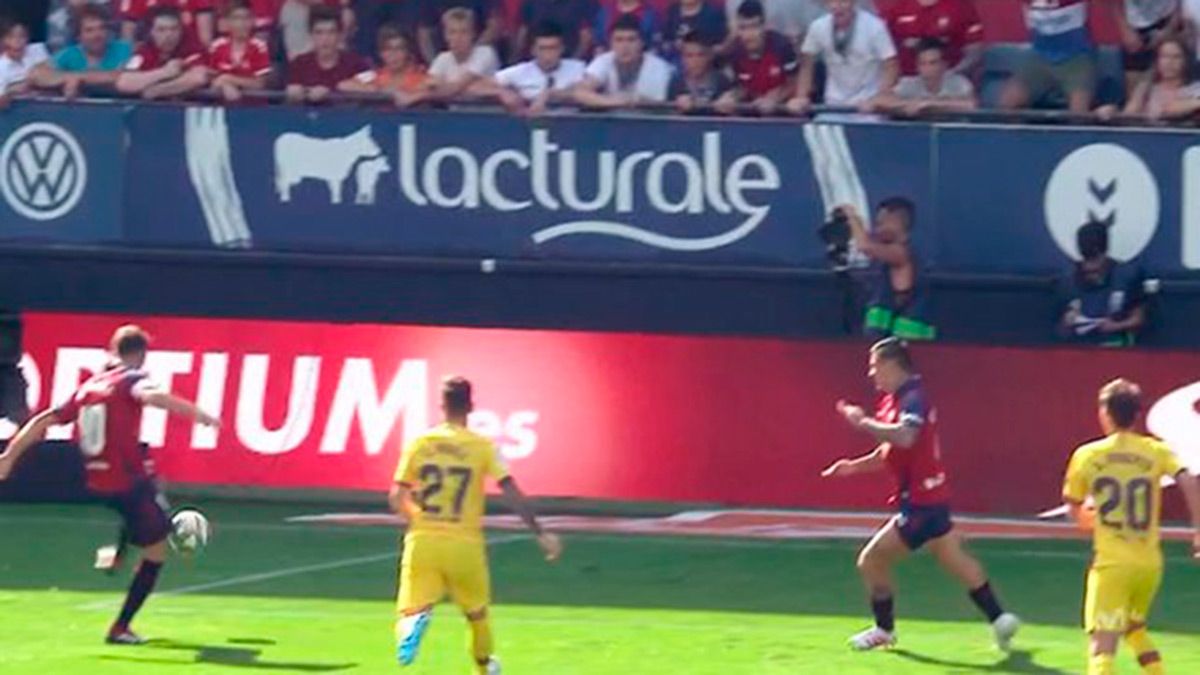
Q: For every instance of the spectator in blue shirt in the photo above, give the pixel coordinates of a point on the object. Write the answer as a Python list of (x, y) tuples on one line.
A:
[(699, 18), (1103, 301), (1061, 64), (97, 60)]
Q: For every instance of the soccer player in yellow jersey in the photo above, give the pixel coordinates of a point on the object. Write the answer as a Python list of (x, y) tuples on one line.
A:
[(1121, 475), (439, 489)]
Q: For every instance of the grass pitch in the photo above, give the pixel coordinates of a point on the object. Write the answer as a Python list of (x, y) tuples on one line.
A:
[(274, 597)]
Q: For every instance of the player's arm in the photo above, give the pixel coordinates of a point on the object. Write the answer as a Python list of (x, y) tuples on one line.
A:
[(156, 398), (400, 500), (903, 433), (891, 253), (868, 463), (1075, 493), (516, 500), (26, 437), (1190, 488)]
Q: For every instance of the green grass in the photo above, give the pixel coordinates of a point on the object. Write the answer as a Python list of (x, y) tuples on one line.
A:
[(613, 605)]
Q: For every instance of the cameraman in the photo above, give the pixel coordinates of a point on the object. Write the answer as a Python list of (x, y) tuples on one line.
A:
[(899, 291)]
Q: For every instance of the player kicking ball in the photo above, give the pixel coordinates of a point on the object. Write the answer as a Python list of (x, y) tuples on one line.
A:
[(1122, 474), (439, 490), (905, 425), (107, 412)]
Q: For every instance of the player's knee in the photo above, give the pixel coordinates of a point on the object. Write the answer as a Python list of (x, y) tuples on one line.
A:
[(1104, 642), (480, 614), (156, 552)]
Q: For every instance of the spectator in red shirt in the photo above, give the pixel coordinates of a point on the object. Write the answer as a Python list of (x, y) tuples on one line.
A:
[(764, 61), (167, 64), (312, 76), (239, 61), (954, 23), (197, 17), (295, 18)]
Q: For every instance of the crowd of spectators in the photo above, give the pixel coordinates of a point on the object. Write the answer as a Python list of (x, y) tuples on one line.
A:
[(753, 57)]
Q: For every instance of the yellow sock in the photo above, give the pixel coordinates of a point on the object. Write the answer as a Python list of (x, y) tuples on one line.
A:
[(1147, 654), (1101, 664), (481, 642)]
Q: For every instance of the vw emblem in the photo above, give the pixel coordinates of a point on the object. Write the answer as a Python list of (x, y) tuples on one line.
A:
[(43, 171)]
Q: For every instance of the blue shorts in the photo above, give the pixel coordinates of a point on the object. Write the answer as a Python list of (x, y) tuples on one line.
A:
[(143, 512), (918, 525)]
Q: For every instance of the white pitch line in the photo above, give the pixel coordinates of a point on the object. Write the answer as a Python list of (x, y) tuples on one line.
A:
[(287, 572)]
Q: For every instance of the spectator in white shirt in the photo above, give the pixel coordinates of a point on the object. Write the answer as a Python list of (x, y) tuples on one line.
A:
[(465, 67), (933, 89), (1144, 25), (547, 78), (859, 57), (1190, 10), (627, 74), (18, 59)]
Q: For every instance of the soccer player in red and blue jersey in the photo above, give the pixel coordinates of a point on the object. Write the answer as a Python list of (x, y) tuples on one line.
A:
[(905, 426), (107, 412)]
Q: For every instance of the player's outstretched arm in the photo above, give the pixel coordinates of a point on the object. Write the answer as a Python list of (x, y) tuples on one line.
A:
[(1190, 488), (868, 463), (179, 406), (551, 546), (26, 437)]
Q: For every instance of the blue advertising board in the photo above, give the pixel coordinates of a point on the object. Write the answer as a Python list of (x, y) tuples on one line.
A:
[(61, 173), (579, 187), (497, 186)]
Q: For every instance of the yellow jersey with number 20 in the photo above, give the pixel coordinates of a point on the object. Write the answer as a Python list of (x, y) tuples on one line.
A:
[(1123, 475), (446, 468)]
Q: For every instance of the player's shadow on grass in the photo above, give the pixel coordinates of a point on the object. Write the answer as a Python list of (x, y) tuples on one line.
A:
[(228, 656), (1017, 661)]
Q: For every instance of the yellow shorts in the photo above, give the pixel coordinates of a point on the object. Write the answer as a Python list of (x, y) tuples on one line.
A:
[(1119, 597), (434, 566)]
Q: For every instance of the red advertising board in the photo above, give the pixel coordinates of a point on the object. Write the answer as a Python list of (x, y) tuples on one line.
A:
[(619, 416)]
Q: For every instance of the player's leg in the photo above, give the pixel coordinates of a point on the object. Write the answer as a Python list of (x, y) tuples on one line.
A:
[(875, 563), (1105, 616), (148, 526), (422, 585), (470, 587), (948, 550), (1137, 636)]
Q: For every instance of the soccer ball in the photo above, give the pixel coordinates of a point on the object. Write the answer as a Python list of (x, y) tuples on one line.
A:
[(189, 531)]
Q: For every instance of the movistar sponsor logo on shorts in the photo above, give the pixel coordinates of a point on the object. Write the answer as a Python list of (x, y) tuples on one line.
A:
[(569, 192)]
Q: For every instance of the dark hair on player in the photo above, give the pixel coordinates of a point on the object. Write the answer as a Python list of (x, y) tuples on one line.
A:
[(129, 340), (903, 206), (456, 395), (751, 9), (91, 12), (1122, 400), (930, 44), (1092, 239), (321, 14), (895, 350), (627, 22), (548, 29), (166, 12)]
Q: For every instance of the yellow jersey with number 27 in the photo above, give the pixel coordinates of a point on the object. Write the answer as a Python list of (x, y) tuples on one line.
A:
[(1123, 475), (446, 470)]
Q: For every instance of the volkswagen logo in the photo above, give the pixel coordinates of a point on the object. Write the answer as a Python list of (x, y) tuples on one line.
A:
[(43, 171)]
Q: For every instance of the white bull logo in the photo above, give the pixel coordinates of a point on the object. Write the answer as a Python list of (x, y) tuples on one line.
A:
[(1175, 419), (331, 160)]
